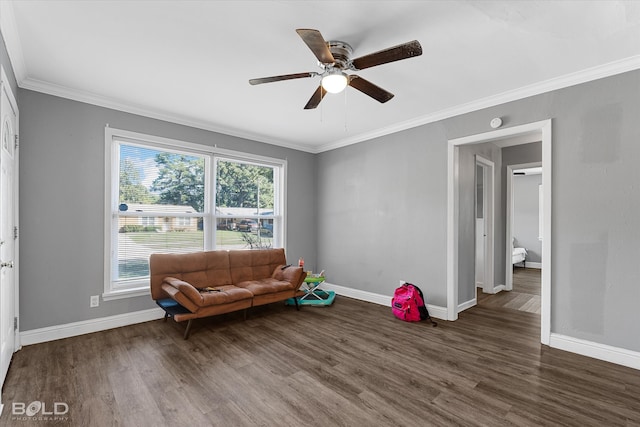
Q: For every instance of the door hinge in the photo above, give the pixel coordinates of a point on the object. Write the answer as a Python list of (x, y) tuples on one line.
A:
[(15, 233), (17, 140), (15, 323)]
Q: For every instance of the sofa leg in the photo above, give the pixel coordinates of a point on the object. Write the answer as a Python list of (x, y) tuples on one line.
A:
[(244, 314), (166, 315), (295, 299), (186, 332)]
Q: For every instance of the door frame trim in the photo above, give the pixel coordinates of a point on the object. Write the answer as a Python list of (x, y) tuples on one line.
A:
[(544, 127)]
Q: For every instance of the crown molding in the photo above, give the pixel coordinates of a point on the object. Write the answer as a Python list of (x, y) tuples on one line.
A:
[(584, 76), (107, 102), (572, 79)]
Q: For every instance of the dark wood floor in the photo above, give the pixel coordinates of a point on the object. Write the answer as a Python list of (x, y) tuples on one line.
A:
[(525, 295), (351, 364)]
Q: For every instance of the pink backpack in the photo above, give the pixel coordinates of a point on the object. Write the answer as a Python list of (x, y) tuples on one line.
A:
[(408, 304)]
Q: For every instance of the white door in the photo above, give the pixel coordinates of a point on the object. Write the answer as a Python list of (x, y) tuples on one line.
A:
[(485, 191), (9, 121)]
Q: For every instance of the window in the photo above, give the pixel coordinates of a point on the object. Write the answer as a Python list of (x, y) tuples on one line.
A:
[(171, 196), (246, 207)]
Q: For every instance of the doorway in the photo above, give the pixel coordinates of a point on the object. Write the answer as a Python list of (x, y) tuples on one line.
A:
[(542, 132), (512, 240), (8, 226)]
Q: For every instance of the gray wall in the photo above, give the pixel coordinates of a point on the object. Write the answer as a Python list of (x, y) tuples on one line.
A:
[(380, 213), (526, 214), (519, 154), (382, 206), (62, 204)]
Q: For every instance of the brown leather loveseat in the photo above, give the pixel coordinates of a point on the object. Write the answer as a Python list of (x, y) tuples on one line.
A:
[(201, 284)]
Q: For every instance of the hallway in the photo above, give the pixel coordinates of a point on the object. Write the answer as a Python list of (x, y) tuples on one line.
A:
[(525, 295)]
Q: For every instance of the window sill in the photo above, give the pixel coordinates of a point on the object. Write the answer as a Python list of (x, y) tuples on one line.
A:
[(126, 293)]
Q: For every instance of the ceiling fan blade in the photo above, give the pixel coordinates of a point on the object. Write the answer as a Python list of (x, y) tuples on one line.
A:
[(315, 98), (369, 88), (396, 53), (317, 44), (283, 77)]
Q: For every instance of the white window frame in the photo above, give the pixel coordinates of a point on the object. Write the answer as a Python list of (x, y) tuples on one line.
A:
[(113, 137)]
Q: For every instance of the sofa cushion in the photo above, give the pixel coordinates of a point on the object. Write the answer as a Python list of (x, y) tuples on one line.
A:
[(224, 294), (202, 298), (265, 286), (254, 265)]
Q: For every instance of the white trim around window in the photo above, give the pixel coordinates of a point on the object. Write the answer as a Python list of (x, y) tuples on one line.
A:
[(116, 287)]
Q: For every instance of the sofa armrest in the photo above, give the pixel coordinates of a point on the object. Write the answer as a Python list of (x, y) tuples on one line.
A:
[(293, 275), (178, 296), (186, 288)]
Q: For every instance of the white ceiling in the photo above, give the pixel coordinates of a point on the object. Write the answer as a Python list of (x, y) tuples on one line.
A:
[(190, 61)]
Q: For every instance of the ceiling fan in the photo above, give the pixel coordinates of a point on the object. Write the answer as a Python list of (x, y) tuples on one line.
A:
[(334, 57)]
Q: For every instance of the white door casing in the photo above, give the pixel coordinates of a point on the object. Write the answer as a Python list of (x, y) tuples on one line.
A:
[(544, 129)]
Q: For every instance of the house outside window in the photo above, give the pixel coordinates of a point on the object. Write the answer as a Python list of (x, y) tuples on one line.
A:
[(147, 220), (167, 196), (182, 221)]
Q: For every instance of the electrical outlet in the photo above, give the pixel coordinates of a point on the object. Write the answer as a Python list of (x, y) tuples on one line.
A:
[(95, 301)]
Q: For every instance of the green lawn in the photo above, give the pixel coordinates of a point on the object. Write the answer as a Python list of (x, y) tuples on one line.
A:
[(190, 239), (178, 240)]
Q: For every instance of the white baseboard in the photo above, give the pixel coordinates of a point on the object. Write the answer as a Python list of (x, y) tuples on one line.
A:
[(619, 356), (530, 264), (499, 288), (467, 304), (435, 311), (35, 336), (57, 332), (495, 290)]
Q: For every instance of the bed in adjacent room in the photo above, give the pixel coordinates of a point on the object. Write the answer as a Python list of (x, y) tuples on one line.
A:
[(519, 255)]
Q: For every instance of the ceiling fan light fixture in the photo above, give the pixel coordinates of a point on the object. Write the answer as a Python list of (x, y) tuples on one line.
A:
[(334, 82), (334, 58)]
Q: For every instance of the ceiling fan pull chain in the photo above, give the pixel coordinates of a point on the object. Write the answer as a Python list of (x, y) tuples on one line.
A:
[(345, 111)]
